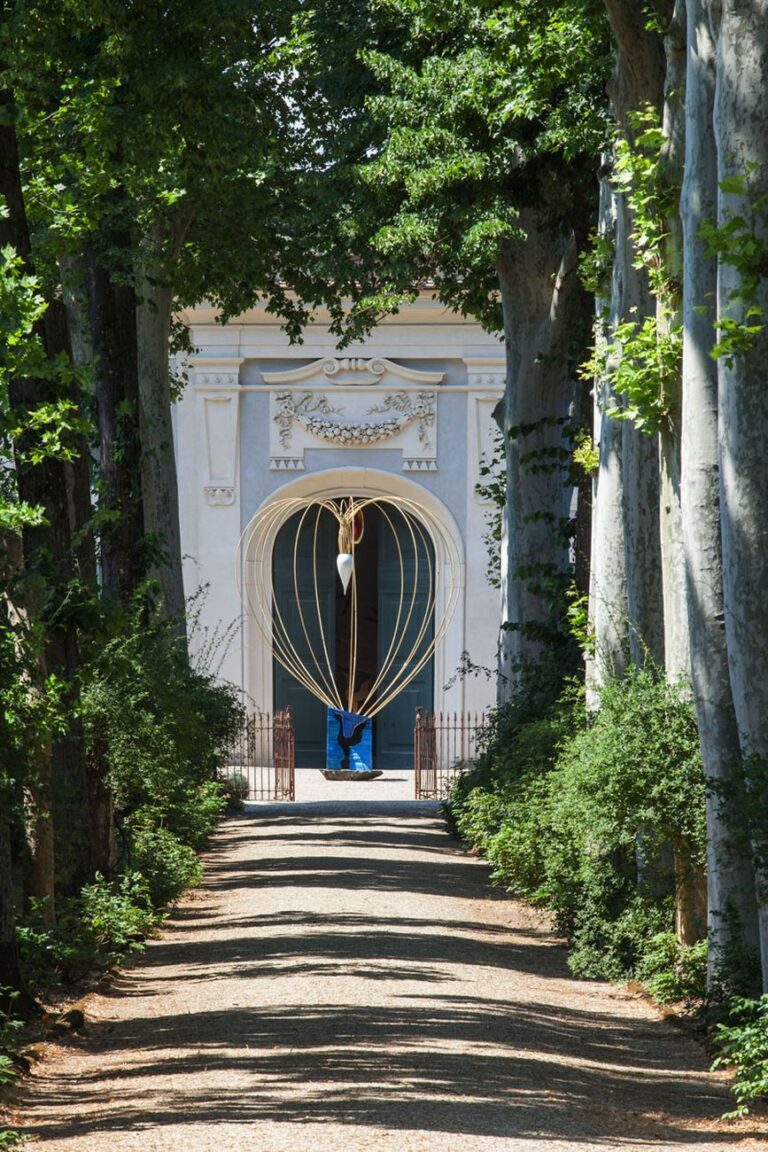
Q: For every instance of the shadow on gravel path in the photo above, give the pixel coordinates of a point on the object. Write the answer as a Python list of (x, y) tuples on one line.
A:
[(346, 980)]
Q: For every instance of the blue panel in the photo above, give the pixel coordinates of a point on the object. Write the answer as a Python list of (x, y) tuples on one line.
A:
[(355, 754)]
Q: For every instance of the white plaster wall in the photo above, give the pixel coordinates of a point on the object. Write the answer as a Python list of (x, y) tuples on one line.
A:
[(223, 460)]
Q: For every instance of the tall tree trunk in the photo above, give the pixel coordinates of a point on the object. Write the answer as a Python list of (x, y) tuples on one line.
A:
[(669, 318), (36, 789), (691, 890), (29, 670), (608, 577), (642, 546), (112, 314), (113, 337), (732, 908), (540, 296), (159, 484), (582, 530), (48, 552), (741, 131), (78, 474), (15, 998), (638, 80), (75, 293)]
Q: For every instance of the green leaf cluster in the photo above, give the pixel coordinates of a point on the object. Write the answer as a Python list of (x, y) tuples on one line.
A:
[(643, 357), (647, 365), (738, 243), (585, 454)]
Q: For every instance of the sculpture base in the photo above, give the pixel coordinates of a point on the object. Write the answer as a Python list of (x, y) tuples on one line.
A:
[(351, 774)]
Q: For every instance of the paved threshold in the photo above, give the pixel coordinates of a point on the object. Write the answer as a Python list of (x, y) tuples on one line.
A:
[(347, 981)]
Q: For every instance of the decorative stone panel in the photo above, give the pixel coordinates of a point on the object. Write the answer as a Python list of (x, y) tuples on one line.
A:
[(374, 403), (219, 396)]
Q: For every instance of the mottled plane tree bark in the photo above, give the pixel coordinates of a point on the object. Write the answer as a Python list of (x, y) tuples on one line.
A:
[(669, 318), (732, 909), (741, 131), (608, 573), (540, 294), (638, 81)]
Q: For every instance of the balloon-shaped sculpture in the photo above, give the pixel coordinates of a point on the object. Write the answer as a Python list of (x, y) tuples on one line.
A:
[(427, 565)]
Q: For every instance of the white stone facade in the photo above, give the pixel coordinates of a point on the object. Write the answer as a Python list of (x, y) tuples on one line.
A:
[(408, 412)]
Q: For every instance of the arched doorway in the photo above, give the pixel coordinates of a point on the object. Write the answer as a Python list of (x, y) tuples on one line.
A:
[(313, 612), (259, 538)]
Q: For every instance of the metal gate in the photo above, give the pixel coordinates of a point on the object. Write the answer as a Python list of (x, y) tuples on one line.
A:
[(444, 746), (260, 763)]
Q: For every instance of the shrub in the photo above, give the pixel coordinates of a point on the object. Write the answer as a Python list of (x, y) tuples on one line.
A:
[(154, 725), (743, 1040), (517, 849), (108, 920), (159, 725), (673, 971), (167, 865), (8, 1071), (236, 788), (626, 797), (9, 1138), (117, 916), (585, 816), (502, 791), (195, 813)]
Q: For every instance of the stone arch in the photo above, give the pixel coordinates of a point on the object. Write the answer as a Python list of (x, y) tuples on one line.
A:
[(374, 482)]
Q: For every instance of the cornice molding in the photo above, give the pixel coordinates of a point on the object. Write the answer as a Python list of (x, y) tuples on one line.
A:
[(353, 370)]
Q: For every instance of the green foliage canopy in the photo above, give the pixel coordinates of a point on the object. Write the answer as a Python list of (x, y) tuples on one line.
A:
[(463, 114)]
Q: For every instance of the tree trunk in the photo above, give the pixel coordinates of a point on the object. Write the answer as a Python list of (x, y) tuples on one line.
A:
[(159, 485), (78, 474), (690, 887), (642, 549), (40, 858), (732, 909), (540, 293), (608, 578), (48, 552), (669, 318), (102, 810), (741, 132), (638, 80), (112, 314), (29, 667), (690, 896), (15, 998), (582, 529)]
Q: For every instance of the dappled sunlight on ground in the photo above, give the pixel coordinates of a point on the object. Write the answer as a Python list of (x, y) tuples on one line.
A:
[(347, 981)]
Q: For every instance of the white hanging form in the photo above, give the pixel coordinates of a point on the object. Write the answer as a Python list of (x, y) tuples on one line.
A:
[(345, 566)]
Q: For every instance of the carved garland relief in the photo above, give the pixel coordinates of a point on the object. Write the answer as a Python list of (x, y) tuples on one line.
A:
[(314, 412)]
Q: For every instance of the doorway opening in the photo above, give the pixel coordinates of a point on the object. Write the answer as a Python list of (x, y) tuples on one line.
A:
[(394, 571)]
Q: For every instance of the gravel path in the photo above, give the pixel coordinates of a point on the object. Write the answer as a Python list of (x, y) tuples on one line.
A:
[(346, 981)]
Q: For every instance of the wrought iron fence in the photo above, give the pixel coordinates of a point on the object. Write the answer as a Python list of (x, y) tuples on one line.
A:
[(444, 745), (259, 764)]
